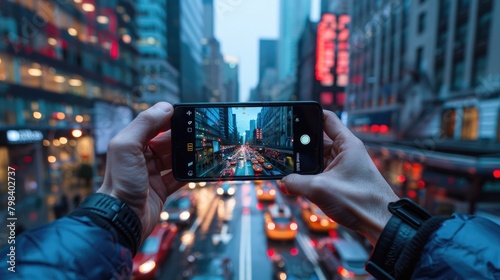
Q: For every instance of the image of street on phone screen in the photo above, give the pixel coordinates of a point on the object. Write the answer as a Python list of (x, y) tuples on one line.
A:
[(244, 141)]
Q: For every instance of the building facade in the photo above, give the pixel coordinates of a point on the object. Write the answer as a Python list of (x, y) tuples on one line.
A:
[(293, 17), (231, 78), (158, 80), (424, 96), (184, 48), (57, 62)]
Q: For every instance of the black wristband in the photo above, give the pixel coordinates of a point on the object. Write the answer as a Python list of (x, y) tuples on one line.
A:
[(407, 218), (112, 214)]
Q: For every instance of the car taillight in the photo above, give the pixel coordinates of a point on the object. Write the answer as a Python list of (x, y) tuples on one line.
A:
[(345, 273)]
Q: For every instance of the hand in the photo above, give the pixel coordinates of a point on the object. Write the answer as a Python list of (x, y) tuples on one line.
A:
[(137, 158), (351, 190)]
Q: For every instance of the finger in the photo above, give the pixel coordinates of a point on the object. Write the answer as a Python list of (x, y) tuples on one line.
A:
[(296, 184), (334, 128), (172, 184), (161, 145), (147, 124)]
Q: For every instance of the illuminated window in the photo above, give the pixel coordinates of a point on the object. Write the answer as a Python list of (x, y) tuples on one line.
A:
[(6, 68), (470, 122), (448, 121)]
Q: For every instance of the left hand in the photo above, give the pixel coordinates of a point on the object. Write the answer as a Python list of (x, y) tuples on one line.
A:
[(137, 158)]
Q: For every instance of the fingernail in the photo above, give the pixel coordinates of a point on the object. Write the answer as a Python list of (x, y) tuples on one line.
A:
[(281, 185), (163, 106)]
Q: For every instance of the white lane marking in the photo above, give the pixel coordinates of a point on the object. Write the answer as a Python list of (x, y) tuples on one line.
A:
[(192, 230), (249, 249), (245, 260), (312, 256)]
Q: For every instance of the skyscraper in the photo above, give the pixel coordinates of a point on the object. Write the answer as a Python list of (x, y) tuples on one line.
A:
[(231, 78), (293, 18), (184, 49), (213, 62), (159, 80)]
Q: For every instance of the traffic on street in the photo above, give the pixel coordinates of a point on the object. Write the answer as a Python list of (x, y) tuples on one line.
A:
[(246, 161), (248, 230)]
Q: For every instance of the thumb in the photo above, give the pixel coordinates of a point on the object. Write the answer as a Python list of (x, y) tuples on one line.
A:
[(148, 124), (296, 184)]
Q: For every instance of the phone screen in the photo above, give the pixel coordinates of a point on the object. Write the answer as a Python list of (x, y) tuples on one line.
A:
[(243, 141)]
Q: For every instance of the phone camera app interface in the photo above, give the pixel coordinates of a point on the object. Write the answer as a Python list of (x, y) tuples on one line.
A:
[(243, 141)]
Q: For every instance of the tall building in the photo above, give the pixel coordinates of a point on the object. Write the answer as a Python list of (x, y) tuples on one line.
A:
[(424, 96), (159, 80), (267, 55), (293, 18), (184, 48), (268, 71), (231, 80), (56, 76), (213, 61)]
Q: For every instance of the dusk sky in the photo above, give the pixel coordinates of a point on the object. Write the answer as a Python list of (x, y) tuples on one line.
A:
[(244, 116), (239, 24)]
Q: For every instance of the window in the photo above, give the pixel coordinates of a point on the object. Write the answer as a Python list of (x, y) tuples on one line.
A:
[(457, 80), (479, 70), (470, 123), (448, 121), (421, 23), (419, 58)]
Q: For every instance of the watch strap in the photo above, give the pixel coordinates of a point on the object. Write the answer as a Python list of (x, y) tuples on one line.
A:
[(407, 218), (111, 213)]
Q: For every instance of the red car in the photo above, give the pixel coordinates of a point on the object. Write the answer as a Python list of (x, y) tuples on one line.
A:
[(154, 251)]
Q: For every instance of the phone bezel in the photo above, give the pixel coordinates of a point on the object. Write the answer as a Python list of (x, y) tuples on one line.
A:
[(179, 142)]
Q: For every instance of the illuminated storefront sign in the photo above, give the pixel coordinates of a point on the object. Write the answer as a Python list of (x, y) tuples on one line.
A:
[(24, 136), (332, 50), (325, 49)]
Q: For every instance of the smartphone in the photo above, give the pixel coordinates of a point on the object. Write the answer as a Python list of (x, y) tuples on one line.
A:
[(246, 141)]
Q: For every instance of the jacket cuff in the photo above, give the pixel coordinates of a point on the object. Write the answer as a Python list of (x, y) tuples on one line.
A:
[(399, 247)]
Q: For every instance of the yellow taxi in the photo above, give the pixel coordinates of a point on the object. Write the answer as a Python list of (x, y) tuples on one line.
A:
[(315, 219), (279, 223), (265, 192)]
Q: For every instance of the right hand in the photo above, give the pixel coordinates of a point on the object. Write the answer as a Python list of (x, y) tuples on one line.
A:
[(351, 190)]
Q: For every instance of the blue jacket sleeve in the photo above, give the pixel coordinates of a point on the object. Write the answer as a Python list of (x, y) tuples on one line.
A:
[(464, 247), (69, 248)]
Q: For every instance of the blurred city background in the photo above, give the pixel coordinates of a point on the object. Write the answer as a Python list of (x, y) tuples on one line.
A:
[(417, 80)]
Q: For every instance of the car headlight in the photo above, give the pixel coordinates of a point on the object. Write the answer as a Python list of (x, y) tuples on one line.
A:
[(230, 191), (164, 215), (220, 191), (192, 185), (184, 215), (147, 267), (202, 184), (272, 192)]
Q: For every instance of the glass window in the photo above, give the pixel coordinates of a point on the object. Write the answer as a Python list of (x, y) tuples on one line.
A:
[(470, 123), (31, 74), (457, 82), (448, 121), (421, 23)]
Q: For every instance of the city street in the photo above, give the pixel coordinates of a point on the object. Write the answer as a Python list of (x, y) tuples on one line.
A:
[(234, 228), (247, 162)]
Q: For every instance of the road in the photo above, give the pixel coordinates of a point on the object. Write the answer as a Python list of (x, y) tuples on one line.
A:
[(233, 227)]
